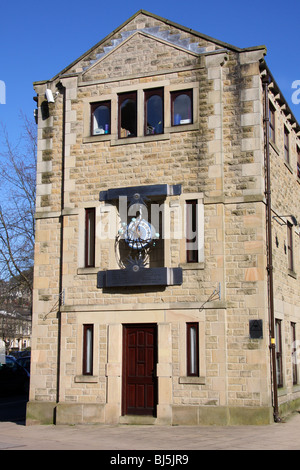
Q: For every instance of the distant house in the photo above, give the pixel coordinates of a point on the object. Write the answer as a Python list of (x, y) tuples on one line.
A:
[(167, 234), (15, 330)]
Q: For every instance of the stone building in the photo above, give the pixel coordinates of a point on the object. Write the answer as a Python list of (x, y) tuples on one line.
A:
[(167, 242)]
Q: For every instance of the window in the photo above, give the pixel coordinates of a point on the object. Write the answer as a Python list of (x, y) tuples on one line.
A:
[(272, 122), (298, 162), (90, 237), (286, 145), (294, 353), (151, 212), (100, 122), (154, 111), (278, 342), (181, 107), (192, 255), (127, 112), (192, 342), (88, 340), (290, 246)]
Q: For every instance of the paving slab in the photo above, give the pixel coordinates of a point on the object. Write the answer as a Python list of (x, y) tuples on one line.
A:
[(276, 436)]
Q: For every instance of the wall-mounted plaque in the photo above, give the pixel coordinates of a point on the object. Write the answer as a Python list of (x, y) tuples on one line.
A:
[(137, 276), (255, 329)]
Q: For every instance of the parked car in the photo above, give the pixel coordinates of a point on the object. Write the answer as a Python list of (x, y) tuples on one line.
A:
[(24, 362), (13, 377)]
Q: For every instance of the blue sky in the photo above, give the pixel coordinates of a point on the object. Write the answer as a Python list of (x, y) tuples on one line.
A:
[(37, 39)]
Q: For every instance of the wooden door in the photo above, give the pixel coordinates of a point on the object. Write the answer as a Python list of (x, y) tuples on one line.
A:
[(139, 369)]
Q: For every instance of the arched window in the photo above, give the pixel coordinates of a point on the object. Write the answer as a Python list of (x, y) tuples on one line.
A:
[(182, 107), (100, 118), (154, 111), (128, 115)]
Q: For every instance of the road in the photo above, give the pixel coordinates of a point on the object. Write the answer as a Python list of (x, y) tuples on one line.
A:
[(13, 408)]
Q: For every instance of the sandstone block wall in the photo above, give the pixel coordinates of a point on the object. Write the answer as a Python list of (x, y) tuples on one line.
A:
[(219, 160)]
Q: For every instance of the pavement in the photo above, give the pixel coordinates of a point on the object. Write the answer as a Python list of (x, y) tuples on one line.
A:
[(117, 439)]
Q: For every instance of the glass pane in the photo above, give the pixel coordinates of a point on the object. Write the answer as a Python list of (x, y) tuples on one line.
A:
[(193, 350), (154, 115), (101, 120), (182, 110), (89, 351), (191, 231), (128, 118), (90, 237)]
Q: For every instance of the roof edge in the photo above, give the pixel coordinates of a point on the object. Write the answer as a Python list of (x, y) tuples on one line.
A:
[(263, 65), (166, 21)]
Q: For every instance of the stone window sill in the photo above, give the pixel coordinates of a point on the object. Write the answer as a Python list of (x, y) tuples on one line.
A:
[(287, 164), (292, 274), (140, 139), (192, 265), (86, 379), (274, 147), (192, 380), (87, 270)]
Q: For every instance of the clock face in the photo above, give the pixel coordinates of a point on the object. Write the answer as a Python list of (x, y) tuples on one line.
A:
[(139, 234)]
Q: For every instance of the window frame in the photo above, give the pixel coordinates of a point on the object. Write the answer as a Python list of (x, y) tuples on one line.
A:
[(148, 93), (155, 215), (294, 354), (138, 90), (290, 246), (286, 144), (192, 370), (192, 255), (88, 350), (272, 127), (94, 106), (90, 238), (133, 95), (278, 349), (173, 95)]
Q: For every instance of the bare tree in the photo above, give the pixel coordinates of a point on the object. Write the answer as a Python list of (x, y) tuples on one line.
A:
[(17, 183)]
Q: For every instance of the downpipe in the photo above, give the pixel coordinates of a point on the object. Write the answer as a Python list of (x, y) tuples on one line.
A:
[(272, 345)]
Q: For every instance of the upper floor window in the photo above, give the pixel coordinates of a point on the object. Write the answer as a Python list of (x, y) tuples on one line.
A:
[(181, 107), (100, 122), (290, 246), (286, 145), (90, 223), (143, 112), (191, 232), (154, 111), (272, 122), (127, 112), (298, 161)]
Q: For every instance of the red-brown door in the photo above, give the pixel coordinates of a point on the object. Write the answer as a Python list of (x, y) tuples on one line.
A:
[(139, 369)]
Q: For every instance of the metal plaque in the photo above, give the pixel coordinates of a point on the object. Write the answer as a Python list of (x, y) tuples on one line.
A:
[(255, 329), (137, 276)]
